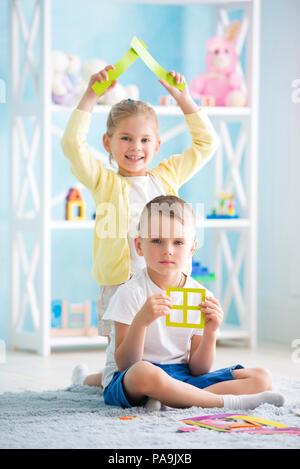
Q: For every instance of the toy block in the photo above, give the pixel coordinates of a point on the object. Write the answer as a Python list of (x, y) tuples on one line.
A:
[(167, 100), (74, 202), (202, 274), (79, 323), (208, 101)]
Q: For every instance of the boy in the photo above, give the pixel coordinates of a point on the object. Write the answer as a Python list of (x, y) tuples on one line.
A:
[(171, 365)]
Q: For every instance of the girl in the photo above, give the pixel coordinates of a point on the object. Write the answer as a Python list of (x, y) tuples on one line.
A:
[(132, 141)]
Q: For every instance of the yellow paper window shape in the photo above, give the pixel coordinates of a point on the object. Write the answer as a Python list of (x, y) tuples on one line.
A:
[(185, 307)]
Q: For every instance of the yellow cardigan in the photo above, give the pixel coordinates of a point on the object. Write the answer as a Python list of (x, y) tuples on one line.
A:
[(111, 253)]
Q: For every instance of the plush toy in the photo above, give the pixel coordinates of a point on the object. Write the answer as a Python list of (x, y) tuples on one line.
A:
[(220, 84), (65, 79), (89, 67)]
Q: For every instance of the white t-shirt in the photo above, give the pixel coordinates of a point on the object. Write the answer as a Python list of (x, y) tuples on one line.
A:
[(163, 344), (143, 189)]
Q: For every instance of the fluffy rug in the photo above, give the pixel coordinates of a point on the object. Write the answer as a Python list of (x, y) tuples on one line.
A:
[(78, 418)]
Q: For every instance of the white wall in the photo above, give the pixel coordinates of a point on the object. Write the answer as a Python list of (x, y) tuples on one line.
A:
[(279, 173)]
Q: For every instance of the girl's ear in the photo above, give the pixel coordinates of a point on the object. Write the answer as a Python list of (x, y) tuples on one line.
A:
[(106, 143), (157, 147), (137, 242)]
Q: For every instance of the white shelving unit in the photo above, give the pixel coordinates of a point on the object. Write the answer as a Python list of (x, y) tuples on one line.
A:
[(30, 269)]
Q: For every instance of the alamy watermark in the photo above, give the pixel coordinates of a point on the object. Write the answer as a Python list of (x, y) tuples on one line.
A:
[(2, 92), (296, 353), (112, 223), (2, 352), (295, 96)]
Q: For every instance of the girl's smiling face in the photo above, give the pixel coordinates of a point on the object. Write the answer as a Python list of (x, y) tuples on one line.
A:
[(133, 144)]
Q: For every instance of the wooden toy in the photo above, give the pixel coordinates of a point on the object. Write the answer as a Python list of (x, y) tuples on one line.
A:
[(167, 100), (74, 202), (79, 321), (185, 307), (208, 100)]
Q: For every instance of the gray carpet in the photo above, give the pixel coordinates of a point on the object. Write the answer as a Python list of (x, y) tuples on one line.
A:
[(78, 418)]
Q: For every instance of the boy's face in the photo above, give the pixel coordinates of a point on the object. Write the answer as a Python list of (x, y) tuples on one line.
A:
[(133, 144), (168, 246)]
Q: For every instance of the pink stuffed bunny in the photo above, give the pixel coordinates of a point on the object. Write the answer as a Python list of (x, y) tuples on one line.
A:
[(221, 85)]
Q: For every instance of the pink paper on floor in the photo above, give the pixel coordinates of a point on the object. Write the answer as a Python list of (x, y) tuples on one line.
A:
[(239, 423)]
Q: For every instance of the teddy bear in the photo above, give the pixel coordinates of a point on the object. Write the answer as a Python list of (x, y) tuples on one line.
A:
[(119, 92), (221, 84), (66, 83)]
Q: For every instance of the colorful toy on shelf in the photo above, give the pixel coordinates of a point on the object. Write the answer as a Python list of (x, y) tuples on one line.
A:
[(74, 202), (221, 83), (207, 101), (225, 210), (202, 274), (167, 100), (80, 319), (66, 83)]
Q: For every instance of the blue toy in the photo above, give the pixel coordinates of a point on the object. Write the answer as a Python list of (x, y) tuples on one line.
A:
[(202, 274)]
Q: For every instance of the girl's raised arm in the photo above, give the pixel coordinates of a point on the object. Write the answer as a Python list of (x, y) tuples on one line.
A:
[(90, 97)]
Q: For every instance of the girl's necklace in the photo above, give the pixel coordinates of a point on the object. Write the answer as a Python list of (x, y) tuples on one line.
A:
[(180, 281)]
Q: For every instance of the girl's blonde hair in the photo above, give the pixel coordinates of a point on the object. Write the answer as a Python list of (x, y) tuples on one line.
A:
[(128, 108)]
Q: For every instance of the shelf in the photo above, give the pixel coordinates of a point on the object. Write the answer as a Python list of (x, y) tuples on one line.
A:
[(233, 332), (80, 341), (192, 2), (31, 255), (226, 333), (236, 223), (233, 112), (72, 225)]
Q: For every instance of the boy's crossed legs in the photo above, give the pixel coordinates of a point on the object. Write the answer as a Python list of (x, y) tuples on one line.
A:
[(249, 388)]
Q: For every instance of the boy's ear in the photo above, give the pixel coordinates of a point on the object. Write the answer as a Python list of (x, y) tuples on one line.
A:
[(194, 246), (137, 243), (106, 142)]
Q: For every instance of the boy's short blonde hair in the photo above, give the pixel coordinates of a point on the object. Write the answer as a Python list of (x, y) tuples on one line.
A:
[(170, 206)]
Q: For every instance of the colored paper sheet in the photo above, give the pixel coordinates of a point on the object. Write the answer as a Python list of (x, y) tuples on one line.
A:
[(213, 416), (138, 49), (187, 429), (270, 423), (154, 66), (120, 67), (185, 307), (206, 425), (221, 422), (272, 431)]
